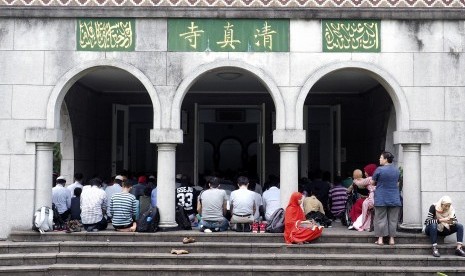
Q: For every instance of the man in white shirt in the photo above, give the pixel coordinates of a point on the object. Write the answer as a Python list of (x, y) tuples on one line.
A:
[(93, 206), (77, 183), (271, 200), (61, 197), (113, 188), (242, 205)]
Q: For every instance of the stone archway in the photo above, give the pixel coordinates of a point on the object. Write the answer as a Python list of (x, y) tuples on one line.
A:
[(197, 73), (384, 78), (69, 78)]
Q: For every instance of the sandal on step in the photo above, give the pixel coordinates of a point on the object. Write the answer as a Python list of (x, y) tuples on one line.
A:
[(187, 240)]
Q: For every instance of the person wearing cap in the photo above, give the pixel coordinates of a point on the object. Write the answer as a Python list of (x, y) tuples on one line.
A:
[(113, 187), (138, 189), (93, 206), (61, 197), (77, 183)]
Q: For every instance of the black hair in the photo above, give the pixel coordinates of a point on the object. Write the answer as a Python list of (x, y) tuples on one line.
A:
[(95, 182), (118, 181), (78, 176), (61, 181), (77, 192), (388, 156), (214, 182), (242, 180)]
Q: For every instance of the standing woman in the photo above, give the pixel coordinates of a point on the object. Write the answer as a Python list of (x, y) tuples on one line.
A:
[(387, 199)]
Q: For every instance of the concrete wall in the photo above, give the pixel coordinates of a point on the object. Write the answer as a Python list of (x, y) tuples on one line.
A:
[(424, 62)]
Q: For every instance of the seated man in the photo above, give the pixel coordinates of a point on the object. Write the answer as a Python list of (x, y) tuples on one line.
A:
[(271, 200), (313, 209), (212, 208), (123, 207), (93, 206), (242, 205), (61, 197), (186, 196)]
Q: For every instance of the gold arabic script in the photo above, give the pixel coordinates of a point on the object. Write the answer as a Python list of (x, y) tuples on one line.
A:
[(352, 36), (105, 35)]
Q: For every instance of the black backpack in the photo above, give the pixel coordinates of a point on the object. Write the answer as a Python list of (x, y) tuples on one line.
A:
[(148, 221), (276, 222), (181, 218)]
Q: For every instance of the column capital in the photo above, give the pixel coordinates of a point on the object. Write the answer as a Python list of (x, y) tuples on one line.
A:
[(166, 147), (40, 146), (289, 147), (289, 136), (167, 135), (412, 136), (411, 147), (44, 135)]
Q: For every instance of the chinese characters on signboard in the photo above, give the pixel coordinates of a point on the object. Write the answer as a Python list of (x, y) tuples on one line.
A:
[(351, 35), (235, 35), (106, 34)]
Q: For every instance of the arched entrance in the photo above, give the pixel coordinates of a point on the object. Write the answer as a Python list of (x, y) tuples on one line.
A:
[(228, 99), (102, 102), (350, 112)]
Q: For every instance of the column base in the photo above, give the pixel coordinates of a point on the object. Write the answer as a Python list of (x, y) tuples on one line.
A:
[(168, 226), (410, 227)]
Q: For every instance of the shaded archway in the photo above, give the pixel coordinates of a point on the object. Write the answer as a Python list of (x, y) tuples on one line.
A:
[(228, 99), (351, 112), (90, 93)]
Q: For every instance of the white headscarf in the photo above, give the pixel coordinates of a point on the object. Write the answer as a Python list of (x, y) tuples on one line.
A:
[(440, 213)]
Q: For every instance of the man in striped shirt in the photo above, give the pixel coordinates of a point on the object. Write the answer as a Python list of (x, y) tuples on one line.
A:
[(338, 198), (123, 208)]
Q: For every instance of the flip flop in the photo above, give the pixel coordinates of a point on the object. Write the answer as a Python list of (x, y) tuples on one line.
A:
[(187, 240), (179, 252)]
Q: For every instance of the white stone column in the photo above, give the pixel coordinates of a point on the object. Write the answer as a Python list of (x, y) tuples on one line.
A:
[(166, 185), (44, 171), (411, 188), (289, 169)]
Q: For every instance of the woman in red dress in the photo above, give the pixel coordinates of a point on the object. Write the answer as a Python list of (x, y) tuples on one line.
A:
[(296, 228)]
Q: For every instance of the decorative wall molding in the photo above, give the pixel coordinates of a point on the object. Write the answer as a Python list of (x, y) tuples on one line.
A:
[(348, 4)]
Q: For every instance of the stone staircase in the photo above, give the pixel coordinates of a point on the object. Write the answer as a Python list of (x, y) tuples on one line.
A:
[(338, 252)]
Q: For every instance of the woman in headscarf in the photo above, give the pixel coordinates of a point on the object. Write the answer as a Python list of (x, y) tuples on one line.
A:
[(441, 220), (296, 228), (363, 222)]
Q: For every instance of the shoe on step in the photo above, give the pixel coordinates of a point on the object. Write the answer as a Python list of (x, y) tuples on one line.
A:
[(436, 252), (459, 252)]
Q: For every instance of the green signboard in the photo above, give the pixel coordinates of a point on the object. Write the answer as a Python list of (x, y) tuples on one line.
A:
[(223, 35), (351, 35), (105, 34)]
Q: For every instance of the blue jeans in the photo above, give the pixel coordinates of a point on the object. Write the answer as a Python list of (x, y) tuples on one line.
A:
[(433, 233), (215, 226)]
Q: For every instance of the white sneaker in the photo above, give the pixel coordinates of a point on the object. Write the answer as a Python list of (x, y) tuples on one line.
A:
[(207, 231), (350, 227)]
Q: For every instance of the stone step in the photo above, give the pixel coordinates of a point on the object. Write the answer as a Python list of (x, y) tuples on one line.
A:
[(257, 259), (245, 270), (217, 247), (33, 259), (336, 235), (252, 248)]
